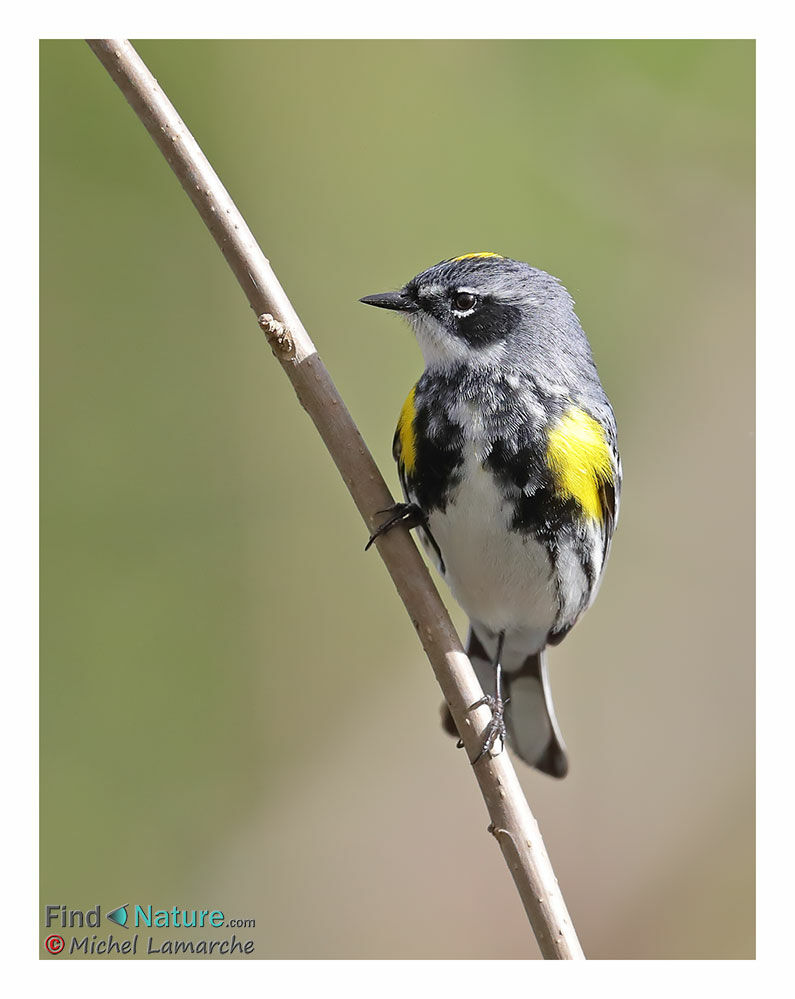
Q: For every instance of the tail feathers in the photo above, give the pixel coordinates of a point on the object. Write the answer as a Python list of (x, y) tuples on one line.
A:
[(533, 731)]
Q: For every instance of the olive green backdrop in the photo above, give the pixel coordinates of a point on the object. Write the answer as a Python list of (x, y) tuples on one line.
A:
[(235, 711)]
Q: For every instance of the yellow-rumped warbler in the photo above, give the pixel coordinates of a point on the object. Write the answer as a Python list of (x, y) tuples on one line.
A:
[(507, 455)]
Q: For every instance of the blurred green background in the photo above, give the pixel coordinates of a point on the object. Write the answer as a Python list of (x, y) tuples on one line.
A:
[(235, 710)]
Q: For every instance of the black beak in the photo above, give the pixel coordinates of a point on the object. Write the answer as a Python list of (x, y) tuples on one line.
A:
[(397, 301)]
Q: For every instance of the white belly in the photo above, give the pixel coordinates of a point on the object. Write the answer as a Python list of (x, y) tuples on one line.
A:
[(501, 578)]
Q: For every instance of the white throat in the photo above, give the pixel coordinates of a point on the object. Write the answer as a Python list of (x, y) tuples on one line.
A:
[(442, 350)]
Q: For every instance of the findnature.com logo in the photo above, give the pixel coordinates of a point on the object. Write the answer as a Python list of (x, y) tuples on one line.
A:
[(135, 917)]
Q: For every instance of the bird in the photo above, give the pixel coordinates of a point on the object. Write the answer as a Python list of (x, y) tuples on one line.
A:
[(507, 455)]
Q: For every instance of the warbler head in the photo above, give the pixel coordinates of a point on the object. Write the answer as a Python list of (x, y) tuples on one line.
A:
[(482, 308)]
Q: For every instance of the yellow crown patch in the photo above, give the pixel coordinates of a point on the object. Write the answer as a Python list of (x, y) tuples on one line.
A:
[(476, 256)]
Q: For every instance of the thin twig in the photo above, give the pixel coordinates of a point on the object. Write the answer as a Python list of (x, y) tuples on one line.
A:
[(512, 822)]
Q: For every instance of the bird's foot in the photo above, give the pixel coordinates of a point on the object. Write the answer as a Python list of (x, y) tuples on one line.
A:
[(495, 730), (408, 514)]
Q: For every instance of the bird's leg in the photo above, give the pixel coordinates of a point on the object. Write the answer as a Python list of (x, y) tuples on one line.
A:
[(401, 513), (496, 727)]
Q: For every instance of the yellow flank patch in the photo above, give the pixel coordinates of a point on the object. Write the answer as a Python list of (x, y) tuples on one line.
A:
[(476, 256), (405, 433), (579, 456)]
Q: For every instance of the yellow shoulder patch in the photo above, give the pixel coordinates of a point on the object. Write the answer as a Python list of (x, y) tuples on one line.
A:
[(579, 457), (405, 435), (476, 256)]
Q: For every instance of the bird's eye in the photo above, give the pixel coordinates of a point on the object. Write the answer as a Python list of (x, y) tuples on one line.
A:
[(464, 301)]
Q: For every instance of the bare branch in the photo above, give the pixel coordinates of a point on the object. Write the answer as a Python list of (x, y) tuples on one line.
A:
[(512, 823)]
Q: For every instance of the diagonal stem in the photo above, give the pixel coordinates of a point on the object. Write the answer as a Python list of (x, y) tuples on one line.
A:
[(512, 822)]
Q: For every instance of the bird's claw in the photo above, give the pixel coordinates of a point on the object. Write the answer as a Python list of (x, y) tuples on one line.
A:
[(496, 728), (401, 513)]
